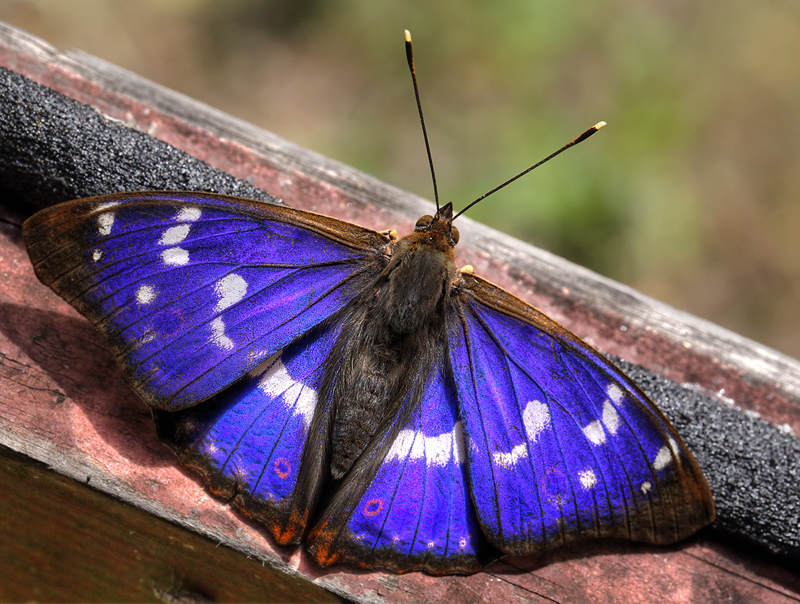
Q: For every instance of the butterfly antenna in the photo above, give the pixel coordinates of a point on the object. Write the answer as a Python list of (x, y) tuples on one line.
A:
[(410, 59), (580, 139)]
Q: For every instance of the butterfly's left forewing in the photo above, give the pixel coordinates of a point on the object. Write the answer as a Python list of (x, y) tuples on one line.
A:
[(205, 296), (561, 446), (194, 290)]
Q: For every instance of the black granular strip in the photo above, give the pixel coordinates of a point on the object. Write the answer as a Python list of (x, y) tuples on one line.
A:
[(752, 466), (55, 149)]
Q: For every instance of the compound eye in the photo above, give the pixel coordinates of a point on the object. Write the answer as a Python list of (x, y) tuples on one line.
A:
[(454, 234), (423, 223)]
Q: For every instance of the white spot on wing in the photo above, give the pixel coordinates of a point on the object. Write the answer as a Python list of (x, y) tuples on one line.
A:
[(439, 449), (610, 417), (458, 444), (418, 448), (674, 446), (588, 478), (105, 222), (646, 486), (296, 396), (174, 235), (507, 460), (218, 334), (595, 433), (436, 450), (145, 294), (663, 459), (188, 213), (230, 289), (175, 256), (96, 255), (401, 446), (615, 393), (535, 418)]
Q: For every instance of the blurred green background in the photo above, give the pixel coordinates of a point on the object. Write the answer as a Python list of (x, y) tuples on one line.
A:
[(691, 195)]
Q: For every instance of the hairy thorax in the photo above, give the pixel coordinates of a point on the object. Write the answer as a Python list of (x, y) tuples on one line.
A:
[(398, 318)]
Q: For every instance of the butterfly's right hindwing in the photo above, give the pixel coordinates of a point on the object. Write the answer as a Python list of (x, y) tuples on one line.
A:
[(405, 505)]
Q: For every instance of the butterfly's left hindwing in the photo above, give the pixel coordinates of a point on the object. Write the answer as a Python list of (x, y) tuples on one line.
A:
[(561, 446), (194, 290), (249, 441)]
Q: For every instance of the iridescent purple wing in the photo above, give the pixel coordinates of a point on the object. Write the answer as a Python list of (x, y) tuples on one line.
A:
[(250, 442), (195, 290), (405, 505), (561, 446)]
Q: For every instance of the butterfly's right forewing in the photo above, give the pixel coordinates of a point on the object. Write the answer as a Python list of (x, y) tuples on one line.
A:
[(561, 446)]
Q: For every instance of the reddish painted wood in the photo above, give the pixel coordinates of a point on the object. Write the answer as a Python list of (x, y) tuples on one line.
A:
[(62, 400)]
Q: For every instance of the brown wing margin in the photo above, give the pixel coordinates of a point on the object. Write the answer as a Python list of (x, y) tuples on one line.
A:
[(42, 232)]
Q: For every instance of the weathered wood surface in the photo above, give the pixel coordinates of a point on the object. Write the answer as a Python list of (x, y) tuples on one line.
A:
[(62, 401)]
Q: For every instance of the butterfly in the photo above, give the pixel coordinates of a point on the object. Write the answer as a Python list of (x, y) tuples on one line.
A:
[(354, 392)]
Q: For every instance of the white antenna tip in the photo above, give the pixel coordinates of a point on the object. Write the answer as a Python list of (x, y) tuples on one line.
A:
[(408, 36), (599, 125)]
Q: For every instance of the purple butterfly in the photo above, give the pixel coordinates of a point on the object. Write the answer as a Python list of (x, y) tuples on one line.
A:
[(356, 393)]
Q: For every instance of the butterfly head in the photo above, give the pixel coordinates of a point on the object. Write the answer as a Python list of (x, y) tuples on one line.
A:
[(438, 230)]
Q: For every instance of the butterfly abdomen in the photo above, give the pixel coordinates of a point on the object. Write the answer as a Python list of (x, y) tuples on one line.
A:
[(365, 386)]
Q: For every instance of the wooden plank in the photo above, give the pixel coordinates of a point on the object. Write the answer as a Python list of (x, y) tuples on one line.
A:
[(63, 402), (81, 545)]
